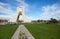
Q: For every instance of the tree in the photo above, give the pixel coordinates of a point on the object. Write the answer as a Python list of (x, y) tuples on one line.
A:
[(53, 20), (38, 20)]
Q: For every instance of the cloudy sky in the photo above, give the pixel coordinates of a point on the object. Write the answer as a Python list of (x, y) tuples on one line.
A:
[(35, 9)]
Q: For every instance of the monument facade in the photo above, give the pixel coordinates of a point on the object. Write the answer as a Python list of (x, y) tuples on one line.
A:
[(20, 12)]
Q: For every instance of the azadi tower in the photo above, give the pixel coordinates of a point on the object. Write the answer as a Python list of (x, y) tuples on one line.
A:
[(20, 12)]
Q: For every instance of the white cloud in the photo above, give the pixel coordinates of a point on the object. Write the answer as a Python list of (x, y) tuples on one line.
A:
[(50, 11), (7, 9), (2, 4), (5, 16), (23, 3), (20, 0)]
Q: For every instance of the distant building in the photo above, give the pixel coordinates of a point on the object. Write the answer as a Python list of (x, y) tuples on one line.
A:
[(3, 21)]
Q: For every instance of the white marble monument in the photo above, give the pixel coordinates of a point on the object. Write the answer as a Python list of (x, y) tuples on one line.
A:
[(20, 12)]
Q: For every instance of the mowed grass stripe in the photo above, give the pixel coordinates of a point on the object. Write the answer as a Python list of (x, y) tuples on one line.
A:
[(6, 31), (44, 31)]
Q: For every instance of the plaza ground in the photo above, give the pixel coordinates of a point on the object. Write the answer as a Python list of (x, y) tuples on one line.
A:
[(7, 31), (44, 31)]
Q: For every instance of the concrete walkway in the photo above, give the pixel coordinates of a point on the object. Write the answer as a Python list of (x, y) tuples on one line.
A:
[(16, 34), (23, 29), (27, 33)]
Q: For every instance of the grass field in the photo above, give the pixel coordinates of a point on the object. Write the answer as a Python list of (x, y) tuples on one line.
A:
[(6, 31), (44, 31)]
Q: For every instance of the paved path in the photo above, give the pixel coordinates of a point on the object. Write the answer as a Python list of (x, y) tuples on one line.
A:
[(16, 34), (23, 29), (27, 33)]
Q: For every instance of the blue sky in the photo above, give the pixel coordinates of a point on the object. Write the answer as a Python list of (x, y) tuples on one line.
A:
[(35, 9)]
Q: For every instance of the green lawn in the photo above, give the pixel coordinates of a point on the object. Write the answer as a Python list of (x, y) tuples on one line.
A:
[(44, 31), (6, 31)]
